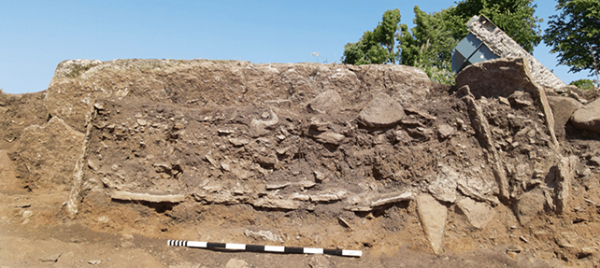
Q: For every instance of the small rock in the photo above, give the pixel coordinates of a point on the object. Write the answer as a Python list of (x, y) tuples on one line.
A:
[(329, 137), (320, 176), (344, 223), (445, 131), (142, 122), (319, 261), (236, 263), (92, 165), (51, 258), (94, 262), (263, 235), (99, 106), (516, 249), (178, 126), (238, 142), (595, 161)]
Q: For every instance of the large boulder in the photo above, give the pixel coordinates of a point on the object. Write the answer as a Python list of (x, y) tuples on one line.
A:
[(381, 111), (562, 109), (588, 117)]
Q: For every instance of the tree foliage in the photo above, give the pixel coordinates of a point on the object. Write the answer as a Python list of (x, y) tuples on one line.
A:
[(575, 34), (515, 17), (429, 44), (377, 46)]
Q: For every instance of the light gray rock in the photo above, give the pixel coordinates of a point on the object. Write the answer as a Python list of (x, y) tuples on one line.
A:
[(443, 188), (236, 263), (51, 258), (276, 203), (128, 196), (326, 102), (433, 218), (329, 137), (588, 117), (479, 214), (319, 261), (370, 201), (445, 131), (263, 235), (381, 111)]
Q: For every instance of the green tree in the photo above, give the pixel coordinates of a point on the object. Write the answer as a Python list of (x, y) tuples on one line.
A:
[(514, 17), (429, 44), (575, 35), (377, 46)]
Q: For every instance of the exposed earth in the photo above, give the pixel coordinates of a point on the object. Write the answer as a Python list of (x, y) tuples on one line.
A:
[(115, 158)]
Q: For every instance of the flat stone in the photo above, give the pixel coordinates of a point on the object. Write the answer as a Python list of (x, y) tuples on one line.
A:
[(128, 196), (433, 218), (263, 235), (319, 261), (276, 203), (238, 142), (328, 196), (236, 263), (588, 117), (94, 262), (326, 102), (329, 137), (381, 111), (479, 214), (443, 188), (51, 258)]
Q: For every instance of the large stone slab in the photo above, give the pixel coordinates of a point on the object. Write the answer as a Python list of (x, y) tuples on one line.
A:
[(433, 218), (381, 111), (588, 117), (563, 108), (443, 188), (479, 214)]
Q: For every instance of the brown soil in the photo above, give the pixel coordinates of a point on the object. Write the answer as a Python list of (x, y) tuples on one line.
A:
[(190, 128)]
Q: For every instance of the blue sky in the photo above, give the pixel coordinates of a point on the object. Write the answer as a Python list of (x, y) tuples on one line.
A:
[(37, 35)]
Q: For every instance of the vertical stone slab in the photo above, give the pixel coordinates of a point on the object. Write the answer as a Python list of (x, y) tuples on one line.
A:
[(433, 218)]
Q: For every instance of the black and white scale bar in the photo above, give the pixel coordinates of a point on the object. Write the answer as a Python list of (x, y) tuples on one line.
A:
[(259, 248)]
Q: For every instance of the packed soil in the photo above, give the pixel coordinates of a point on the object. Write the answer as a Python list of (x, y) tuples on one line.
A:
[(115, 158)]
